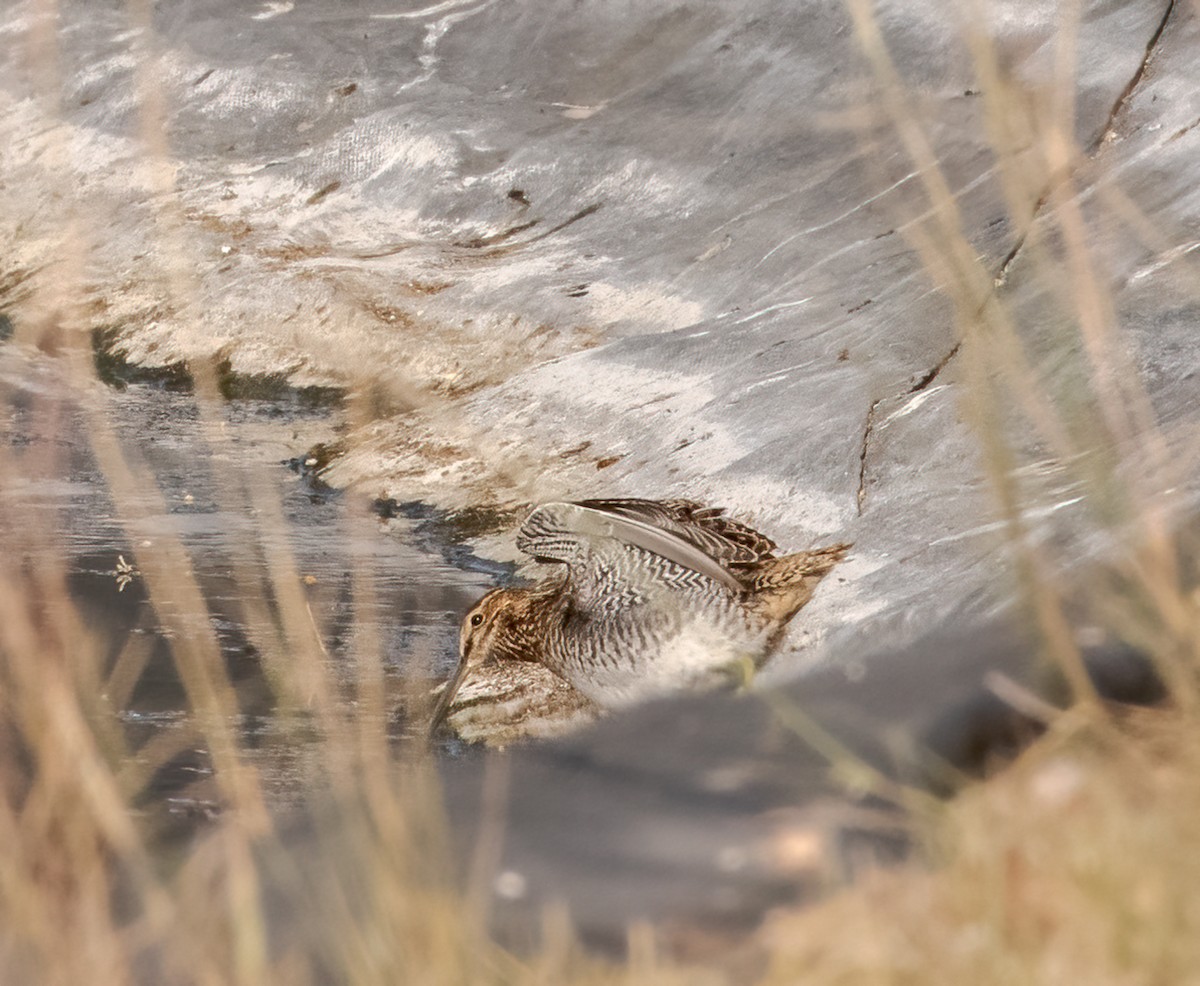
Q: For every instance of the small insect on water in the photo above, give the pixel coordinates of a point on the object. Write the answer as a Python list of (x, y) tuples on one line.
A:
[(124, 573), (650, 597)]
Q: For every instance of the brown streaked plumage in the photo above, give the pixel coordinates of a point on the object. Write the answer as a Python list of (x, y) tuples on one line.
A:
[(652, 596), (508, 700)]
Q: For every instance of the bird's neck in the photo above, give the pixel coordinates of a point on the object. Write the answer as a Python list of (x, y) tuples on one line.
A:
[(522, 637), (533, 615)]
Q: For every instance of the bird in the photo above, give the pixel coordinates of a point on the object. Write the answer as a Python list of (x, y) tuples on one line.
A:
[(649, 597)]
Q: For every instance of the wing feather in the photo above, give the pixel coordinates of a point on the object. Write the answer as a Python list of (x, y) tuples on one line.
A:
[(562, 531), (728, 541)]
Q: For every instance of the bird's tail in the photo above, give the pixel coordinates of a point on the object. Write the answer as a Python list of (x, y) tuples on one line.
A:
[(777, 588)]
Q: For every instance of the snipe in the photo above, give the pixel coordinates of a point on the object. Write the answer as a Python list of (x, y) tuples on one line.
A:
[(652, 596)]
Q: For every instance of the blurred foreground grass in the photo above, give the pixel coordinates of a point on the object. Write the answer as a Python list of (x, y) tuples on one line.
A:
[(1077, 864)]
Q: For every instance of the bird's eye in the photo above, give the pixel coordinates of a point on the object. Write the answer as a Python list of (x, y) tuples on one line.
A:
[(476, 619)]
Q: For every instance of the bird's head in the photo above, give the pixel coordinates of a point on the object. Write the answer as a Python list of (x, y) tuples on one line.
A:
[(502, 626)]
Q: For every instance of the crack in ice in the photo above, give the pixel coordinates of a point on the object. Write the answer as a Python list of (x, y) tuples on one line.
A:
[(434, 32)]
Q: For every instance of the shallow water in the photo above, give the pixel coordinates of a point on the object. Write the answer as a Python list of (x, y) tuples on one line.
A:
[(217, 476)]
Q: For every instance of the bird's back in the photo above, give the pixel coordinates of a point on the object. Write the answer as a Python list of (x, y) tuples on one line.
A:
[(662, 593)]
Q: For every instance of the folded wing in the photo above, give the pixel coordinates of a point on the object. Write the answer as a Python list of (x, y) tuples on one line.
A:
[(707, 528), (570, 532)]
